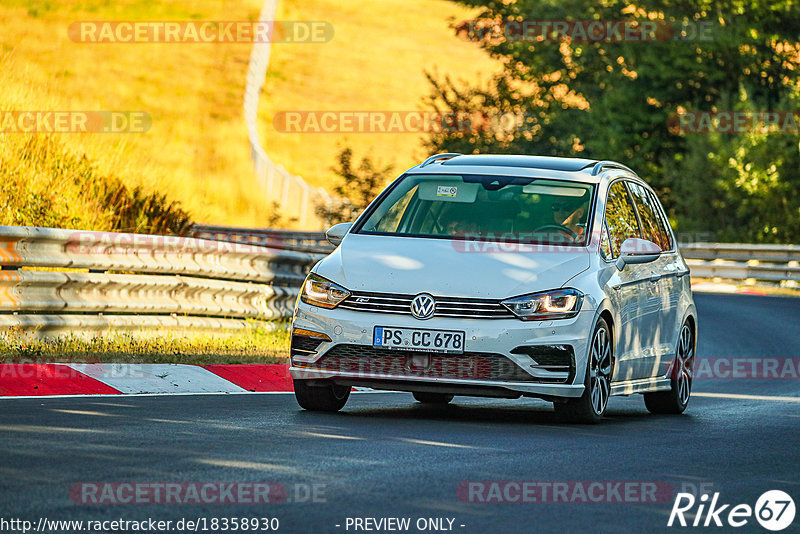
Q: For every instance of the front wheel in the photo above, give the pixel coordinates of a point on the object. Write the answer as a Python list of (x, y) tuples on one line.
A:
[(590, 407), (432, 398), (676, 399), (320, 398)]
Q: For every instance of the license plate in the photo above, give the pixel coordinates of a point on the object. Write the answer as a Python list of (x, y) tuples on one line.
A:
[(389, 337)]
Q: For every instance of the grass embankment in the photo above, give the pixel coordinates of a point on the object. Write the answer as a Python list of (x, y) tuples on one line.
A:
[(42, 183), (196, 152), (255, 345)]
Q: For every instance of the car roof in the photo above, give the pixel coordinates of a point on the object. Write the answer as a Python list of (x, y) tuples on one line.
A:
[(570, 169)]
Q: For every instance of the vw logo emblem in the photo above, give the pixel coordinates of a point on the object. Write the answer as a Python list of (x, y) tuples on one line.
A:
[(423, 306)]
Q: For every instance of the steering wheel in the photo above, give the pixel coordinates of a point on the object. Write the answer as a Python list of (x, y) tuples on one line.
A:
[(558, 228)]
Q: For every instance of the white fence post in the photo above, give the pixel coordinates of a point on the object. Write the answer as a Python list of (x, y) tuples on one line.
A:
[(263, 166)]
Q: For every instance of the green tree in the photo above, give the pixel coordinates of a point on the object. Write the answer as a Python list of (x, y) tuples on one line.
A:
[(358, 186), (744, 187), (615, 99)]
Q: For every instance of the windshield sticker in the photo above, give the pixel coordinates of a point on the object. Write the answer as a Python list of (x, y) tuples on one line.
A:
[(446, 191)]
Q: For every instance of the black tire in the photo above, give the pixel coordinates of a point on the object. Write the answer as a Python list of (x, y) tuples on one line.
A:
[(590, 407), (432, 398), (677, 398), (320, 398)]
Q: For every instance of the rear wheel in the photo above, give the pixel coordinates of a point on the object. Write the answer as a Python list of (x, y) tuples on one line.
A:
[(590, 407), (432, 398), (677, 398), (320, 398)]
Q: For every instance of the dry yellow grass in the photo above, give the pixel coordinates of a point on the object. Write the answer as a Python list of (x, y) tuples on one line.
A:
[(376, 61), (196, 151), (256, 344)]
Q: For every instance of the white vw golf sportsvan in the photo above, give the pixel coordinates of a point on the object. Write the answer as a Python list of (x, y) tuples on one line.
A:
[(502, 276)]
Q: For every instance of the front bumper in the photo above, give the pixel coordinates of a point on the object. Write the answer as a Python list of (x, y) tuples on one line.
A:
[(484, 338)]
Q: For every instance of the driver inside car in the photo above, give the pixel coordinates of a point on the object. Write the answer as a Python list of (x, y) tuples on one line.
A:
[(571, 216)]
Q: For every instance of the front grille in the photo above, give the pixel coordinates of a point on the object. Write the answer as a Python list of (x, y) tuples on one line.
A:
[(469, 308), (367, 360)]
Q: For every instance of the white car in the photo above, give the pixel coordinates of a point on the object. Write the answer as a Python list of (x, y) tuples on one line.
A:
[(502, 276)]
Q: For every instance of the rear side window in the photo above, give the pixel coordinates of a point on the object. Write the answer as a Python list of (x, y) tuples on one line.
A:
[(620, 217), (605, 244), (653, 227), (663, 220)]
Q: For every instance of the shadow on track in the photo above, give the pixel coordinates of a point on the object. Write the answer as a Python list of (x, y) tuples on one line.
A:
[(529, 413)]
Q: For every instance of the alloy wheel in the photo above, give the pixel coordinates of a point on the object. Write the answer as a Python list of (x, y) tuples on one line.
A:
[(684, 365), (600, 370)]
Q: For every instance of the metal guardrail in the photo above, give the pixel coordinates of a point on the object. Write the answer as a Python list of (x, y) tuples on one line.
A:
[(43, 325), (733, 261), (313, 242), (69, 281), (744, 262), (741, 252), (78, 281)]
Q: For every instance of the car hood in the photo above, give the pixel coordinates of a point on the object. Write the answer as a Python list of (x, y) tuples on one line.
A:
[(447, 267)]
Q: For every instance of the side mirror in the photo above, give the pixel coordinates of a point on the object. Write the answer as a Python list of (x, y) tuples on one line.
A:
[(635, 250), (336, 233)]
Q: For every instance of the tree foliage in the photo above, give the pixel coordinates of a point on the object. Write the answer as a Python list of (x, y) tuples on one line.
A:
[(357, 187), (616, 99)]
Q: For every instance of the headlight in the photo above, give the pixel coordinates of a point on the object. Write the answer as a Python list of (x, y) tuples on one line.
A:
[(322, 292), (557, 304)]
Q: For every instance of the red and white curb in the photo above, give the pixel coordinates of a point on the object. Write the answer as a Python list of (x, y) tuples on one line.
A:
[(38, 379)]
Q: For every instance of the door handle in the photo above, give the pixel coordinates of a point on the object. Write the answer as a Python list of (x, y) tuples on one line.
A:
[(655, 277)]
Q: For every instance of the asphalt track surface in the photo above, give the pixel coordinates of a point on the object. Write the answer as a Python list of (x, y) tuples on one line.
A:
[(386, 456)]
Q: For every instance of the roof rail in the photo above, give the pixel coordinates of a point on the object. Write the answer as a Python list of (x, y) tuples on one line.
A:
[(601, 165), (443, 155)]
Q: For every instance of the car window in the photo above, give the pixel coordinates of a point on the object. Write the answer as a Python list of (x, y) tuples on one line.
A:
[(394, 216), (652, 225), (663, 221), (605, 244), (620, 217), (529, 210)]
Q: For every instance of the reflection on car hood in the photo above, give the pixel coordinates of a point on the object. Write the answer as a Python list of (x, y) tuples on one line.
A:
[(446, 267)]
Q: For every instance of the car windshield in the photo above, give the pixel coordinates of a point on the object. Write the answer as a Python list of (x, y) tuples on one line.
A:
[(530, 210)]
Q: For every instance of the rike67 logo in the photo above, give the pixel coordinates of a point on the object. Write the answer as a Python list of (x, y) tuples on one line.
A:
[(774, 510)]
